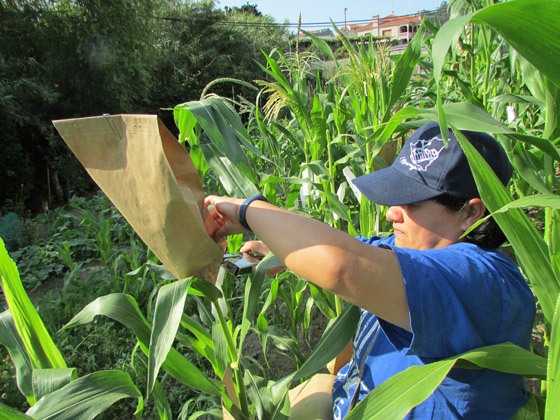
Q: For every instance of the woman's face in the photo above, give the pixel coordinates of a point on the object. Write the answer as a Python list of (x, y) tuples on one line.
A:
[(426, 225)]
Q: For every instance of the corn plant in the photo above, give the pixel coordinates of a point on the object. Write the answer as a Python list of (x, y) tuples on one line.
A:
[(304, 138), (212, 333), (537, 257), (478, 77), (50, 387)]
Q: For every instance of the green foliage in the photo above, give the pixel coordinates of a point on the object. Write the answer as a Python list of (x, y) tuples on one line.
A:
[(11, 231), (553, 368), (311, 129), (22, 94), (78, 59), (88, 396), (67, 59), (309, 112), (402, 392), (104, 344)]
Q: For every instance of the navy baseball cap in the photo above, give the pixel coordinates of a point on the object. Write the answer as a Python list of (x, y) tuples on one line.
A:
[(425, 168)]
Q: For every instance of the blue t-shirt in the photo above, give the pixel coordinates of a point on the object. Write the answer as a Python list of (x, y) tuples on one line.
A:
[(460, 297)]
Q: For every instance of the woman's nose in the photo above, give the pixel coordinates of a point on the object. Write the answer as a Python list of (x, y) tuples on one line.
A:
[(394, 214)]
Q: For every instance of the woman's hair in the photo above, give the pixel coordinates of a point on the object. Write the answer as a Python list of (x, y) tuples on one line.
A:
[(486, 235)]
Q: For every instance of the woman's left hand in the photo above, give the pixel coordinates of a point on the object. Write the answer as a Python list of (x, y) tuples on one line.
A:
[(222, 217)]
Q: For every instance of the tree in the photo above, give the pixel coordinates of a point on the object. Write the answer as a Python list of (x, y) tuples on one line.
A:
[(78, 58), (250, 9), (199, 44), (24, 93), (66, 59)]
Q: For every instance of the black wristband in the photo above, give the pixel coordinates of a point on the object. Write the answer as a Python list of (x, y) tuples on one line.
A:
[(243, 209)]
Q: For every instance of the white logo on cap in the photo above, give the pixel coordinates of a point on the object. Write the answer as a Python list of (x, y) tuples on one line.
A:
[(423, 153)]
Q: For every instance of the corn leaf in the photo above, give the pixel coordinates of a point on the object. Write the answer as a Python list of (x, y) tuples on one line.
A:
[(526, 25), (162, 403), (541, 143), (268, 404), (447, 35), (537, 200), (513, 98), (534, 81), (529, 246), (465, 116), (322, 46), (232, 178), (205, 288), (229, 121), (395, 397), (552, 237), (529, 168), (46, 381), (10, 338), (38, 343), (396, 119), (124, 309), (404, 68), (169, 307), (220, 348), (226, 157), (9, 413), (275, 72), (318, 114), (530, 411), (552, 408), (119, 307), (86, 397), (339, 208), (201, 342), (254, 285), (441, 117), (281, 403), (332, 342), (335, 338)]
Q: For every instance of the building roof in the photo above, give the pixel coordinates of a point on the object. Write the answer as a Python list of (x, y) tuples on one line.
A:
[(366, 27), (393, 20)]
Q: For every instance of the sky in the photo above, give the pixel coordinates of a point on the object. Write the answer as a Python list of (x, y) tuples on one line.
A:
[(322, 11)]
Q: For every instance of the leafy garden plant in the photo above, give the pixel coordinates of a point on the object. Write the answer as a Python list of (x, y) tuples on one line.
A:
[(491, 67)]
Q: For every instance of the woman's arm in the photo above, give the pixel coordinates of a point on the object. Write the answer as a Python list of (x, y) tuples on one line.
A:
[(364, 275)]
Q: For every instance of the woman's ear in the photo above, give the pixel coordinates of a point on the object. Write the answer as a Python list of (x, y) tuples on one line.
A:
[(474, 210)]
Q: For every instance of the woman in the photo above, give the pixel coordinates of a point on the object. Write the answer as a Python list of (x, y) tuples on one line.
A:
[(426, 292)]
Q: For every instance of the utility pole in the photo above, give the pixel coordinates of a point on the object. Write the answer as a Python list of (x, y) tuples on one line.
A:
[(345, 27)]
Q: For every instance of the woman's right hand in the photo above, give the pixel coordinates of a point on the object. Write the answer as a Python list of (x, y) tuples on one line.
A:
[(252, 248)]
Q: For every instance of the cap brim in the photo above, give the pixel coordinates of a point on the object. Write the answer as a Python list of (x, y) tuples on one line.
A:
[(390, 187)]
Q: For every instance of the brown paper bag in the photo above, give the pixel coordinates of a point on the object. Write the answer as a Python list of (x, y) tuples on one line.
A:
[(151, 179)]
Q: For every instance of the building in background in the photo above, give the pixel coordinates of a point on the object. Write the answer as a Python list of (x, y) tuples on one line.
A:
[(398, 29)]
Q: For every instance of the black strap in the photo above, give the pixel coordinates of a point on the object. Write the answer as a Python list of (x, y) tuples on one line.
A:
[(243, 209)]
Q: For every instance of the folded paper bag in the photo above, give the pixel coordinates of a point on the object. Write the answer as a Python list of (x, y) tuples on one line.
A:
[(150, 178)]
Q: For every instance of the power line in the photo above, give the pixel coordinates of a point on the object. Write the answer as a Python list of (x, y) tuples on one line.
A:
[(258, 24), (290, 24), (261, 24)]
